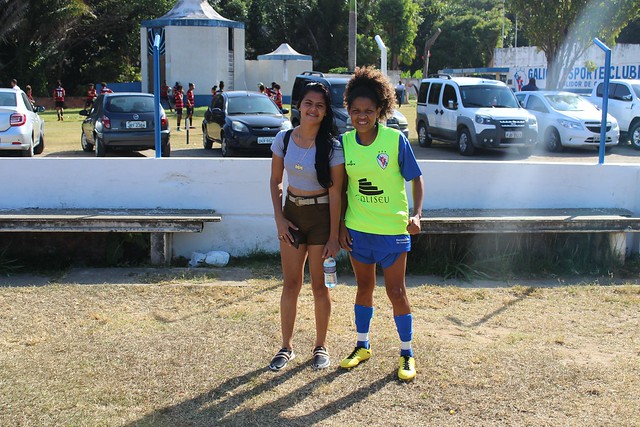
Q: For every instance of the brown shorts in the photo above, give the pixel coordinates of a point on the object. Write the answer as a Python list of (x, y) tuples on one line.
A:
[(313, 219)]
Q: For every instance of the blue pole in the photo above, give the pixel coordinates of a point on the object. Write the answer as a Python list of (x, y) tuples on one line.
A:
[(605, 96), (156, 93)]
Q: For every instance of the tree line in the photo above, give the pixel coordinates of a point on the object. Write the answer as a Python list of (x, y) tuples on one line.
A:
[(81, 41)]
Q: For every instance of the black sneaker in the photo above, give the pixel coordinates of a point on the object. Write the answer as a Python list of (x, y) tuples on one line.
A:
[(320, 358), (281, 359)]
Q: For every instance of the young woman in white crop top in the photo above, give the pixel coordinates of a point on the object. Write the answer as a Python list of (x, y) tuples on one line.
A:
[(308, 224)]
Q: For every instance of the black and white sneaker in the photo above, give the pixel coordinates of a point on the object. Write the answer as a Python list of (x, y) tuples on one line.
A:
[(281, 359), (320, 358)]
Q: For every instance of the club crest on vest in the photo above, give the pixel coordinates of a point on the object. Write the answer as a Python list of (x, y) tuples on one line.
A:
[(383, 160)]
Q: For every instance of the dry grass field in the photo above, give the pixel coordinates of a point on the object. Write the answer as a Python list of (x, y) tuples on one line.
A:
[(194, 352)]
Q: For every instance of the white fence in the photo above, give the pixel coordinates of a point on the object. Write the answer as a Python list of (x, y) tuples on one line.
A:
[(238, 190)]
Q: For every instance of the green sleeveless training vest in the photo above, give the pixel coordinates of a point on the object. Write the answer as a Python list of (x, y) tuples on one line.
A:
[(376, 195)]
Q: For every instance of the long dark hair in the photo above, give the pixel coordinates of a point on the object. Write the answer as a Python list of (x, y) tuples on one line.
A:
[(326, 137)]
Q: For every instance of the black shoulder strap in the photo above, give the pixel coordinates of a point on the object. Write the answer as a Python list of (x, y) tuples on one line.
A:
[(287, 136)]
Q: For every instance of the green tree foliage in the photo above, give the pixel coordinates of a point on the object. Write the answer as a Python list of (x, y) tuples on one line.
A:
[(81, 41), (564, 30), (399, 20), (471, 30), (34, 50), (11, 15)]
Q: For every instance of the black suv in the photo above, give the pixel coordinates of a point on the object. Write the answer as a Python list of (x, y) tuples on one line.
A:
[(336, 85)]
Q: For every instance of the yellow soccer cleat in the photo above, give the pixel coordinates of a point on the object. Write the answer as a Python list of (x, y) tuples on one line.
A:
[(407, 370), (359, 354)]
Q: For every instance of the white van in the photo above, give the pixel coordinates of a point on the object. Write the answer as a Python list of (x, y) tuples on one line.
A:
[(624, 105), (473, 113)]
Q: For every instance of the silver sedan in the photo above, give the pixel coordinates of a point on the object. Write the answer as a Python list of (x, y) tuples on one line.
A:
[(21, 128)]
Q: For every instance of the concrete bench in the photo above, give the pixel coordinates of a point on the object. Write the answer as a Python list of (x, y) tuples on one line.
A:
[(160, 223), (614, 222)]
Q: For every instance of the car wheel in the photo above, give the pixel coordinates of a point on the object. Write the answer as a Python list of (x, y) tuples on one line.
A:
[(101, 149), (224, 146), (86, 147), (552, 141), (166, 150), (465, 146), (206, 142), (634, 135), (38, 149), (424, 140), (28, 152)]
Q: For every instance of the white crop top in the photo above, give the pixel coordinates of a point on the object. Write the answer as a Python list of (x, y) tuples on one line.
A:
[(300, 163)]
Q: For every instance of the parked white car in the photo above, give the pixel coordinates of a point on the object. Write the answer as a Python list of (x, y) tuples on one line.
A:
[(624, 105), (566, 119), (21, 128)]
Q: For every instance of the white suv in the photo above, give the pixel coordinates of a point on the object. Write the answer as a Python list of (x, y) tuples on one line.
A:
[(473, 113), (624, 105)]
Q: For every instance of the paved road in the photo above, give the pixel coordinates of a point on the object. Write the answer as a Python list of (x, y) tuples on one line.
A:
[(438, 151)]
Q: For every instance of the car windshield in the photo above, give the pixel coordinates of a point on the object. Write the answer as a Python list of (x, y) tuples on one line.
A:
[(130, 104), (488, 96), (337, 94), (252, 105), (636, 89), (568, 102), (8, 99)]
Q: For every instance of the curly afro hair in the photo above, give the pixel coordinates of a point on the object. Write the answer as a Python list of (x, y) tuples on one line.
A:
[(369, 82)]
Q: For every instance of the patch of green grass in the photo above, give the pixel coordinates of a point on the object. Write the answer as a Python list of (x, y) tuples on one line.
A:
[(511, 255)]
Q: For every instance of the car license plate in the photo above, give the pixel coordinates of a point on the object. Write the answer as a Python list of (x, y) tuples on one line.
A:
[(513, 134), (265, 139), (136, 124)]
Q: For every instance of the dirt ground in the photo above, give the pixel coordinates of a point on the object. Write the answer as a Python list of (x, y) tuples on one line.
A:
[(174, 347)]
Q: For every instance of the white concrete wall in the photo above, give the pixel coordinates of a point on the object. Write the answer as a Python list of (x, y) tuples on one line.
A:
[(238, 190), (530, 62)]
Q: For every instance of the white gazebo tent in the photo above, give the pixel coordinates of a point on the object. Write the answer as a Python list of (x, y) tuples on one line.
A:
[(282, 65), (197, 45)]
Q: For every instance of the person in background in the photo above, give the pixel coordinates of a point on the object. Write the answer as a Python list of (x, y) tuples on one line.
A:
[(271, 91), (178, 102), (104, 89), (278, 96), (14, 84), (91, 95), (531, 86), (377, 222), (29, 92), (221, 86), (191, 104), (313, 160), (58, 96), (164, 94), (262, 89)]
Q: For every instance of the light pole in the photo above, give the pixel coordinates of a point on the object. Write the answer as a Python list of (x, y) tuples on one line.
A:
[(353, 30)]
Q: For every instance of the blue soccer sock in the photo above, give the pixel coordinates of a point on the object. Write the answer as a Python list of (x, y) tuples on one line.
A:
[(363, 323), (404, 325)]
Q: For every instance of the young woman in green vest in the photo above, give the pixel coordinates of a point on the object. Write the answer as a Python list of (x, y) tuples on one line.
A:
[(377, 222)]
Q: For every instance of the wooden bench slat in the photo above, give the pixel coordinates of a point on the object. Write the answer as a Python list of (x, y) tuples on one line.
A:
[(159, 223)]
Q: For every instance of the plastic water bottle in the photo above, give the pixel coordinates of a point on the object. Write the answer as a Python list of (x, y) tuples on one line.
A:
[(330, 275)]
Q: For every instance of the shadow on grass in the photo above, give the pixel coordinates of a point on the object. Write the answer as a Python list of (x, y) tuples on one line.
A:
[(528, 291), (219, 406)]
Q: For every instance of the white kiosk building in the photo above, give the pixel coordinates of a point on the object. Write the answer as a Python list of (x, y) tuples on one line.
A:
[(198, 45), (282, 65)]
